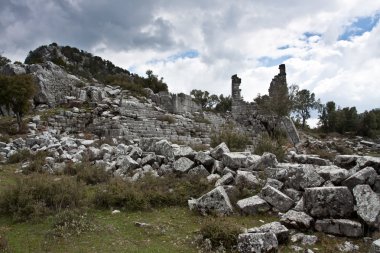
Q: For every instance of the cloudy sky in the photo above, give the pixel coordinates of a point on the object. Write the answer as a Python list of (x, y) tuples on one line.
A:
[(331, 47)]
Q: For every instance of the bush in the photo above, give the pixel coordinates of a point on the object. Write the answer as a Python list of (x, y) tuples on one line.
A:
[(167, 118), (272, 145), (35, 196), (88, 173), (221, 232), (149, 192), (71, 223), (236, 141), (37, 161), (20, 156)]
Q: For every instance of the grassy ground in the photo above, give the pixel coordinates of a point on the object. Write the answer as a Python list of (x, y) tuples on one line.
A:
[(172, 229)]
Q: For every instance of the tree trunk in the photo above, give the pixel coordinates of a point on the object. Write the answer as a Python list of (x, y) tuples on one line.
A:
[(19, 121)]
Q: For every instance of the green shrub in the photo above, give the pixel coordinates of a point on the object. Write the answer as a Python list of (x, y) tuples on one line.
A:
[(35, 196), (272, 145), (235, 140), (221, 232), (168, 118), (71, 223), (88, 173), (149, 192), (20, 156), (37, 161)]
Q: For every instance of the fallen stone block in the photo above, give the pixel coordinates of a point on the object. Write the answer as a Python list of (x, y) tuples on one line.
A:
[(276, 198), (328, 202), (281, 232), (363, 176), (215, 201), (297, 220), (367, 205), (341, 227), (257, 243), (253, 205)]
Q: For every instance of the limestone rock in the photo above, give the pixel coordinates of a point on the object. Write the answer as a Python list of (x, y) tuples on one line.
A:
[(204, 159), (276, 198), (348, 247), (253, 205), (226, 179), (367, 205), (234, 160), (275, 183), (185, 151), (364, 176), (199, 171), (328, 202), (333, 173), (126, 163), (281, 232), (246, 179), (183, 164), (375, 247), (215, 201), (218, 151), (298, 220), (257, 243), (341, 227), (213, 178), (148, 159), (267, 160), (302, 177)]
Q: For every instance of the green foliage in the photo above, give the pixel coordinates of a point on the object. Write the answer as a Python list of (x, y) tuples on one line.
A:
[(20, 156), (221, 232), (36, 160), (15, 93), (304, 102), (272, 144), (235, 140), (4, 60), (36, 196), (84, 64), (166, 118), (211, 102), (70, 223), (88, 173), (149, 192), (201, 119)]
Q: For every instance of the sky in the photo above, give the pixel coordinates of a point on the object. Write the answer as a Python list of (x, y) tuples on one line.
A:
[(330, 47)]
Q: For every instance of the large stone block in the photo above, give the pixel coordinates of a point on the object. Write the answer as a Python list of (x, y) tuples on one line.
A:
[(281, 232), (253, 205), (257, 243), (183, 164), (219, 150), (215, 201), (276, 198), (363, 176), (302, 177), (367, 205), (328, 202), (297, 220), (341, 227), (234, 160)]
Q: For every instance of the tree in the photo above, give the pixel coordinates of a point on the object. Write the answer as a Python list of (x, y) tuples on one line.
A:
[(3, 60), (367, 123), (15, 94), (304, 102), (224, 105), (200, 97)]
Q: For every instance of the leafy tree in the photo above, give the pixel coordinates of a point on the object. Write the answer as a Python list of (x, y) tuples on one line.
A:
[(15, 94), (367, 123), (224, 105), (304, 102), (201, 97), (3, 60)]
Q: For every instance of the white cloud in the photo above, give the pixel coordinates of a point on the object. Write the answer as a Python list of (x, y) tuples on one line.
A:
[(230, 38)]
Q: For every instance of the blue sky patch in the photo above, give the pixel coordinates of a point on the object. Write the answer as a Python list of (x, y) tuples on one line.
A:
[(311, 34), (359, 26), (270, 62), (172, 58)]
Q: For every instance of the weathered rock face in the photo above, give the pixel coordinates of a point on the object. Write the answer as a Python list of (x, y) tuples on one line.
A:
[(234, 160), (328, 202), (253, 205), (367, 205), (302, 177), (219, 150), (276, 198), (364, 176), (341, 227), (333, 173), (257, 243), (281, 232), (298, 220), (183, 164), (215, 201), (246, 179)]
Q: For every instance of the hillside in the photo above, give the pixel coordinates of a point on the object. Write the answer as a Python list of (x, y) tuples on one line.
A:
[(107, 161)]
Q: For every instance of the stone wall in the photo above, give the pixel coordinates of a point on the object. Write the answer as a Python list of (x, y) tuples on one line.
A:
[(175, 103)]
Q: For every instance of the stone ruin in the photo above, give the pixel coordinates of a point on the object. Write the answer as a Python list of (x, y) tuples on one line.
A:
[(249, 115)]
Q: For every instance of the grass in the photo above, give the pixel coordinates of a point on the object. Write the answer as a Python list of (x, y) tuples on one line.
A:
[(173, 227)]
